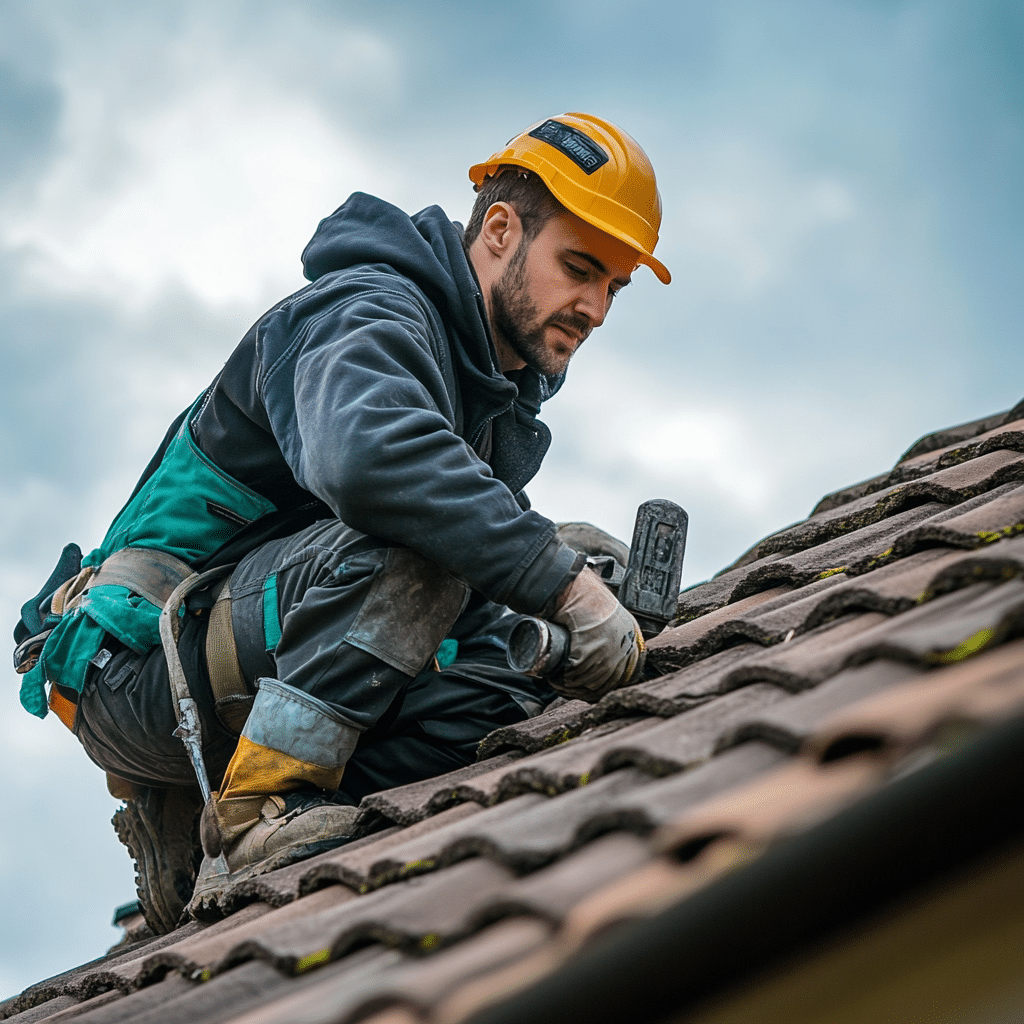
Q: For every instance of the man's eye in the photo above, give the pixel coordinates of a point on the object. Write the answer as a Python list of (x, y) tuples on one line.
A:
[(575, 271)]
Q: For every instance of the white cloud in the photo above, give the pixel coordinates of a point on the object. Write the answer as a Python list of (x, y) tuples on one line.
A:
[(616, 418), (621, 437), (216, 192)]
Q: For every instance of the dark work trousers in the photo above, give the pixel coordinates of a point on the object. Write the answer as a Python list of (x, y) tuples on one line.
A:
[(350, 620)]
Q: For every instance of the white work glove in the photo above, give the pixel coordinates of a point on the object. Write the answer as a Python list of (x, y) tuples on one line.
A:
[(606, 649)]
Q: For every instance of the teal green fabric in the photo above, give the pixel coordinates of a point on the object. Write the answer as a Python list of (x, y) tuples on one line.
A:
[(69, 648), (170, 513), (271, 617), (447, 652)]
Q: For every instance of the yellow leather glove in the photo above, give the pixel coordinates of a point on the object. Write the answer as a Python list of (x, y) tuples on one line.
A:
[(606, 648)]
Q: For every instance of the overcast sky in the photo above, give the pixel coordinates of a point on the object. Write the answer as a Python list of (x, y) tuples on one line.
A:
[(843, 219)]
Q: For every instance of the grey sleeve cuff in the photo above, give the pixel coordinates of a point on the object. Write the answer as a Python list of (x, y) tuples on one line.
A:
[(554, 568)]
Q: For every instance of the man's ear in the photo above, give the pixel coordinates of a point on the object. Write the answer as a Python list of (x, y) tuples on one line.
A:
[(501, 230)]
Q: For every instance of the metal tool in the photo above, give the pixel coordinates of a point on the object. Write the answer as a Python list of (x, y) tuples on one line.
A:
[(189, 729), (649, 589)]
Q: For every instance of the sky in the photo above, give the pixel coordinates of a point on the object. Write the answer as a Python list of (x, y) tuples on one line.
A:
[(843, 218)]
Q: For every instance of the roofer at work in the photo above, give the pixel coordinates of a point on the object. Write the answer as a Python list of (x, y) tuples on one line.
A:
[(336, 531)]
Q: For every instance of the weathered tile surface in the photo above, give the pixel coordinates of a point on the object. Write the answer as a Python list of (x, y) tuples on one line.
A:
[(790, 722), (563, 720), (350, 866), (894, 719), (552, 771), (408, 804), (806, 565), (678, 691), (781, 801)]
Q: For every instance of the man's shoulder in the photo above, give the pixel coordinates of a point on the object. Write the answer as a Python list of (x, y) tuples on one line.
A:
[(361, 289)]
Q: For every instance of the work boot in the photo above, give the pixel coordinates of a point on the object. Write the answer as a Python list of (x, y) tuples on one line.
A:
[(274, 807), (160, 827)]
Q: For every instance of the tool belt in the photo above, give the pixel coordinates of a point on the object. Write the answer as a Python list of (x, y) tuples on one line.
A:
[(157, 576)]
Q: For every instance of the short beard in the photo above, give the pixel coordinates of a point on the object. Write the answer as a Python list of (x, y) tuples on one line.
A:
[(516, 321)]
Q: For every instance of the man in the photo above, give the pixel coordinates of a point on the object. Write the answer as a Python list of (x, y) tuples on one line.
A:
[(357, 468)]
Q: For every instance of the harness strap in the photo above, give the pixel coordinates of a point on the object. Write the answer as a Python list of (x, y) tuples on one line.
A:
[(158, 576), (148, 572), (232, 698)]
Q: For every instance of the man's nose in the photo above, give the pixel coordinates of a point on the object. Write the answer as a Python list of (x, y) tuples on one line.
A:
[(593, 304)]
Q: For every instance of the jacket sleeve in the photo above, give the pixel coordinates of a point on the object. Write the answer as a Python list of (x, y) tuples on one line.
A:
[(359, 406)]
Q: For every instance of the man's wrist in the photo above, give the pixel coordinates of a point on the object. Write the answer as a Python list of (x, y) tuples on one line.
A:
[(552, 604)]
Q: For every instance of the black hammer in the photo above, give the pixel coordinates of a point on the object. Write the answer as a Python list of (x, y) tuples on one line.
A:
[(649, 589)]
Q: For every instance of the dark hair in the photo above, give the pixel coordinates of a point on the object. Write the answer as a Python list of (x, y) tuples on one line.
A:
[(523, 191)]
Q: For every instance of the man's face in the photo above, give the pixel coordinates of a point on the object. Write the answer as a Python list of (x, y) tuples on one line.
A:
[(556, 289)]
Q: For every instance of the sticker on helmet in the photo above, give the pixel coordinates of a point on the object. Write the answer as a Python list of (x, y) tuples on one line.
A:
[(584, 152)]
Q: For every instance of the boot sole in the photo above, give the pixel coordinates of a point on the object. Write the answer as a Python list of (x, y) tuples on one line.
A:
[(158, 829)]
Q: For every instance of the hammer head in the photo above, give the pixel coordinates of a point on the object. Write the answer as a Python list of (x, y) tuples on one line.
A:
[(650, 587)]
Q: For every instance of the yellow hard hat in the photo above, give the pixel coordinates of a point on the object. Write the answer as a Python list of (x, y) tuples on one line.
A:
[(596, 171)]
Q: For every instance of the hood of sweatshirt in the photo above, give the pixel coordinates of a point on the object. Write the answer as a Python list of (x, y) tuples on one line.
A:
[(427, 249)]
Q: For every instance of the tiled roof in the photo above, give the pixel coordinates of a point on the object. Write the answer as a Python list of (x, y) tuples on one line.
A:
[(853, 673)]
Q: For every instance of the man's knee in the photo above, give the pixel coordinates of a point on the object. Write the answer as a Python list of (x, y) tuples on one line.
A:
[(341, 615), (410, 607)]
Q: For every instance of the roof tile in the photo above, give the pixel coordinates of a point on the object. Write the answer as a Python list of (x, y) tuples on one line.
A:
[(418, 913), (1001, 560), (127, 970), (45, 1009), (251, 985), (553, 891), (951, 486), (1007, 435), (984, 688), (957, 625), (669, 695), (661, 881), (778, 803), (697, 638), (394, 1015), (954, 435), (690, 738), (327, 995), (790, 722), (812, 657), (551, 771), (804, 566), (997, 518), (662, 801), (350, 866), (947, 628), (559, 722), (923, 456), (114, 1006), (418, 800), (276, 888), (524, 832), (423, 983), (210, 954), (454, 842)]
